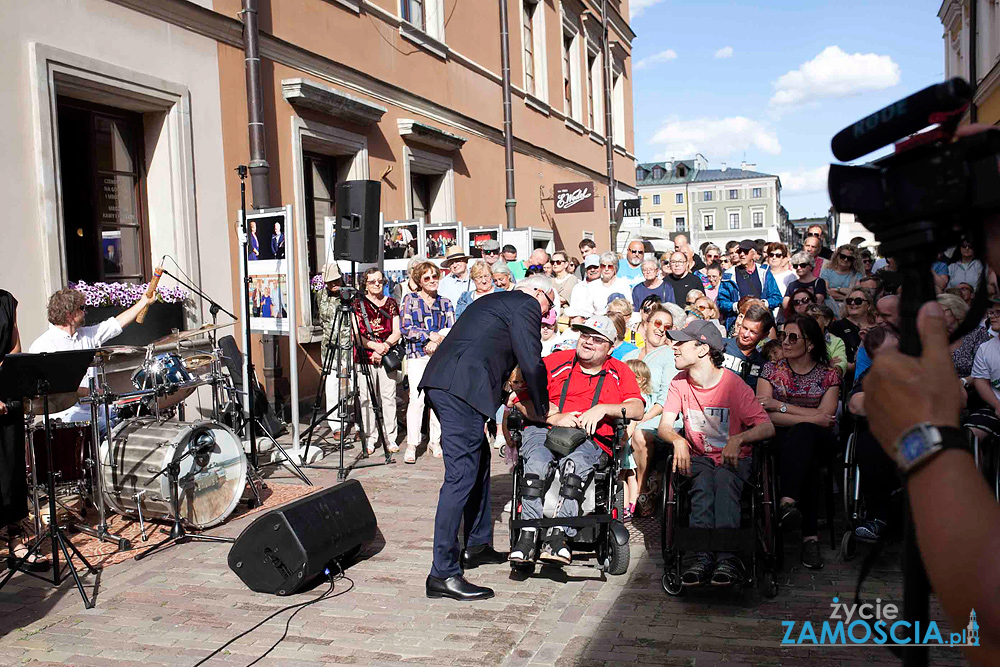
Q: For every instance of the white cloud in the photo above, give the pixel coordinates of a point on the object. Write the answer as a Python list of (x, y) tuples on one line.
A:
[(724, 52), (637, 7), (834, 73), (714, 137), (803, 182), (662, 56)]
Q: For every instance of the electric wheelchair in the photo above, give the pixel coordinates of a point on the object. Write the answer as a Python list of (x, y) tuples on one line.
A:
[(758, 538), (600, 531)]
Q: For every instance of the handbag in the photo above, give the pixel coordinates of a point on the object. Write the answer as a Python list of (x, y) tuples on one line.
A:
[(392, 360), (563, 440)]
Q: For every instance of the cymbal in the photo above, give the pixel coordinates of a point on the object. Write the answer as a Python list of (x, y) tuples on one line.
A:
[(178, 336), (111, 351), (196, 361), (57, 403)]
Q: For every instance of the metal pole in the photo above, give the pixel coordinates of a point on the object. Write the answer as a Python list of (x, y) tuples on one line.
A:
[(259, 167), (508, 131), (609, 130), (973, 58)]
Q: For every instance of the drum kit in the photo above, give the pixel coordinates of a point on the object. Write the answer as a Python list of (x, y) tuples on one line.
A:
[(148, 466)]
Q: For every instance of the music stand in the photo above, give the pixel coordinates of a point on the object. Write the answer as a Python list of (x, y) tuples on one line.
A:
[(31, 375)]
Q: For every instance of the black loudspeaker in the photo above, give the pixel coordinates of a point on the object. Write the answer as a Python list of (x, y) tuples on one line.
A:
[(357, 231), (286, 549)]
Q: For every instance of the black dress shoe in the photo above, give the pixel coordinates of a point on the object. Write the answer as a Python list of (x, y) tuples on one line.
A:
[(456, 588), (482, 554)]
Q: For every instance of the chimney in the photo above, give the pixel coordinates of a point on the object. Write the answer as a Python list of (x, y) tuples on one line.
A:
[(724, 167), (748, 166)]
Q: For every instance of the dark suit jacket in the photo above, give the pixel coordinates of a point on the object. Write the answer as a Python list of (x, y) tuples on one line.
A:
[(495, 333)]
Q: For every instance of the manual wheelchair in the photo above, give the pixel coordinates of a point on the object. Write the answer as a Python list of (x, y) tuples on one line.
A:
[(758, 538), (600, 531)]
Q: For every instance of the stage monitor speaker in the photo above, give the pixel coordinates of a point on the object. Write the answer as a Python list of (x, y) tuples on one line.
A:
[(288, 548), (357, 229)]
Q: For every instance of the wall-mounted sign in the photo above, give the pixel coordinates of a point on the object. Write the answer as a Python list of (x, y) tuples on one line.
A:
[(631, 208), (574, 197)]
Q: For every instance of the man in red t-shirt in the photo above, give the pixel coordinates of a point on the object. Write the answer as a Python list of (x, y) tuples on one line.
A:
[(587, 389), (721, 418)]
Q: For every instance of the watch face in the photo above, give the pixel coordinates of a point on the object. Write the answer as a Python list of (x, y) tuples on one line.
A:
[(912, 446)]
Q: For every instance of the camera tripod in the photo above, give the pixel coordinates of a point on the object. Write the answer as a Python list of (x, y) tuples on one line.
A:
[(342, 349)]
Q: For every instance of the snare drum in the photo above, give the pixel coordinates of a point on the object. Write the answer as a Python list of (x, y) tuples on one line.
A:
[(209, 486), (70, 446), (166, 370)]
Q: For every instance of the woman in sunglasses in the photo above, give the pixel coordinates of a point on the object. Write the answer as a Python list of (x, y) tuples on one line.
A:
[(802, 263), (562, 277), (380, 329), (800, 394), (781, 266), (835, 348), (482, 281), (965, 268), (858, 317), (798, 302), (842, 274)]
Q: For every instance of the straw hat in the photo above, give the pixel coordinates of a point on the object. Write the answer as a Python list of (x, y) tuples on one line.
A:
[(454, 254)]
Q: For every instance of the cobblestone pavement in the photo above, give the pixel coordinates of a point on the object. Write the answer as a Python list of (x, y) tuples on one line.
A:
[(176, 607)]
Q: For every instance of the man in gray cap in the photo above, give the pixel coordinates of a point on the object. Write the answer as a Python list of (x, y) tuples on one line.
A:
[(491, 252), (587, 389), (721, 418)]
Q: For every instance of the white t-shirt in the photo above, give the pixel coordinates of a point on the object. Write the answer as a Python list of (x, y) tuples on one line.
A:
[(580, 304), (987, 364), (600, 293), (783, 279), (56, 340)]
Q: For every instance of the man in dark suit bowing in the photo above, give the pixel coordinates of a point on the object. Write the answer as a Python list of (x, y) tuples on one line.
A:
[(464, 380)]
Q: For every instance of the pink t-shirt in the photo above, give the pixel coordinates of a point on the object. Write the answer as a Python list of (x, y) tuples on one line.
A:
[(712, 415)]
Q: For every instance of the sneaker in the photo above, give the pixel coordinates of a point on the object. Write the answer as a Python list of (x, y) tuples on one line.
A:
[(628, 512), (555, 549), (790, 518), (811, 557), (728, 572), (524, 550), (870, 531), (699, 571)]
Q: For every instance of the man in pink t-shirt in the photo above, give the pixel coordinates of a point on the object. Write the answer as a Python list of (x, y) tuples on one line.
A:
[(721, 419)]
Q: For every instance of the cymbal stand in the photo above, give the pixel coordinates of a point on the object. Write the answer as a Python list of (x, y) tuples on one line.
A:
[(54, 531), (177, 533)]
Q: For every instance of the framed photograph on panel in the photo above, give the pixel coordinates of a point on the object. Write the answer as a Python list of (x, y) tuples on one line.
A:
[(401, 239), (438, 238), (476, 236)]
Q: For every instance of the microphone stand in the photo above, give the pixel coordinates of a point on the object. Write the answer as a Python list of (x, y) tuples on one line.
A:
[(214, 307)]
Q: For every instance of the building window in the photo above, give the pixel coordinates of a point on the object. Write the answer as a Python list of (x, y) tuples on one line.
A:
[(680, 223), (420, 197), (707, 196), (567, 55), (413, 12), (528, 42), (618, 108), (640, 174), (658, 222), (656, 199), (734, 194), (758, 219), (734, 220), (755, 193), (708, 221), (657, 172), (320, 185), (591, 92), (679, 198), (105, 231)]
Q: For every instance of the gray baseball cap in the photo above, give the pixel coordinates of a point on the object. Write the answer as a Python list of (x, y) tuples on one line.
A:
[(591, 260), (702, 332), (600, 325)]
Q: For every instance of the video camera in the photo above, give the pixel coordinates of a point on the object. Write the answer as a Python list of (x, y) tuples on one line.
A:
[(932, 191)]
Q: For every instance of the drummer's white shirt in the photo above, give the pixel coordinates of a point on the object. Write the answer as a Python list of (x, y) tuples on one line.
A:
[(85, 338)]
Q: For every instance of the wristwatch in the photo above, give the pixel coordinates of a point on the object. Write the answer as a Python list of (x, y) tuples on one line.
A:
[(783, 409), (924, 441)]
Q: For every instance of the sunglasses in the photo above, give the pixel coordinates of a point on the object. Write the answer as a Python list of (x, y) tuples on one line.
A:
[(854, 302), (637, 252), (993, 313), (594, 338), (814, 235), (661, 324), (593, 268), (802, 266), (792, 337), (536, 267), (558, 261), (429, 279), (776, 255), (375, 282), (847, 256), (799, 302), (609, 266), (491, 252)]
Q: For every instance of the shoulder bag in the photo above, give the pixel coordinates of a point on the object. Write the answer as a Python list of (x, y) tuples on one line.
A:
[(563, 440)]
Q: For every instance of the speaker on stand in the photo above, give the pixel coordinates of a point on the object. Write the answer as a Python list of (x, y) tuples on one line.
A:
[(357, 230)]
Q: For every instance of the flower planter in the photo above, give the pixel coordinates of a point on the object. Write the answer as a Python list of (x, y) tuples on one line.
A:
[(161, 319)]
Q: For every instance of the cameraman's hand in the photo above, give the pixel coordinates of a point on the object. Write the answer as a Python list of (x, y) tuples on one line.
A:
[(903, 391)]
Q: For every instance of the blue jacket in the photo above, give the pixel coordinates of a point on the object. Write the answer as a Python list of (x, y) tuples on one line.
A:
[(729, 293)]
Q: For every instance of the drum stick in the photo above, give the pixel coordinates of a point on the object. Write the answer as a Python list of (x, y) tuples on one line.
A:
[(150, 291)]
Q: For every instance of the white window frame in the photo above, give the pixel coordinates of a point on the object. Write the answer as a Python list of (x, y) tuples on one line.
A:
[(763, 217), (680, 223), (596, 95), (734, 194), (538, 49), (618, 105), (442, 205), (708, 195), (730, 212), (656, 200), (756, 193), (708, 218), (679, 198), (571, 30), (430, 36), (658, 222)]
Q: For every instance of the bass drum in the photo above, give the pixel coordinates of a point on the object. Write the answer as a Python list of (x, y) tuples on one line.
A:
[(209, 486)]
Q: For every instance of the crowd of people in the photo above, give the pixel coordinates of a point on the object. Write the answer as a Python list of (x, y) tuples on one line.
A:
[(798, 326)]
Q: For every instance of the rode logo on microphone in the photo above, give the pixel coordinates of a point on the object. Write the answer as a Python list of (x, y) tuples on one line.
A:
[(869, 123)]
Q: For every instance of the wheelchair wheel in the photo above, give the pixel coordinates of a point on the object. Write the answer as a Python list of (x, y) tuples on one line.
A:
[(618, 558), (671, 583), (848, 546)]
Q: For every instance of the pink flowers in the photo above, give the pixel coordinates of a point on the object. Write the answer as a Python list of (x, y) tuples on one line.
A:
[(316, 283), (126, 294)]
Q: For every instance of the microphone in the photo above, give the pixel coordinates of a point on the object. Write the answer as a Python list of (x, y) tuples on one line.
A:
[(150, 291), (900, 119)]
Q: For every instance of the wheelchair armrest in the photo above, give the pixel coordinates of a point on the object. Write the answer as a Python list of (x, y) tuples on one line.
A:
[(515, 420)]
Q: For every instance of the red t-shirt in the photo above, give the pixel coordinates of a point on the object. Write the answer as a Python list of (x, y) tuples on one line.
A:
[(381, 322), (619, 386), (712, 415)]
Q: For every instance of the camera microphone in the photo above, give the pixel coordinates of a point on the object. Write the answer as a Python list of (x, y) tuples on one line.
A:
[(900, 119)]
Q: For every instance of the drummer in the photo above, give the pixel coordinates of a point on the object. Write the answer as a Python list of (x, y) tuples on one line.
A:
[(66, 312)]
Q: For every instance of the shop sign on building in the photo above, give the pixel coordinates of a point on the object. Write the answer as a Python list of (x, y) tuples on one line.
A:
[(574, 197)]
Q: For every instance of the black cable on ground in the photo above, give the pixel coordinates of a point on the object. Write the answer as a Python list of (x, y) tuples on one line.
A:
[(326, 595)]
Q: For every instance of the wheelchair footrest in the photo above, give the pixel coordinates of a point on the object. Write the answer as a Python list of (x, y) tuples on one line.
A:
[(715, 539), (571, 522)]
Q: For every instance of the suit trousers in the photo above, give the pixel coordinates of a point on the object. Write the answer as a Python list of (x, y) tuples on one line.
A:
[(415, 410), (466, 489)]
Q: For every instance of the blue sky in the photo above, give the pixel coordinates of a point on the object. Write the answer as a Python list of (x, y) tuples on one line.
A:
[(771, 82)]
